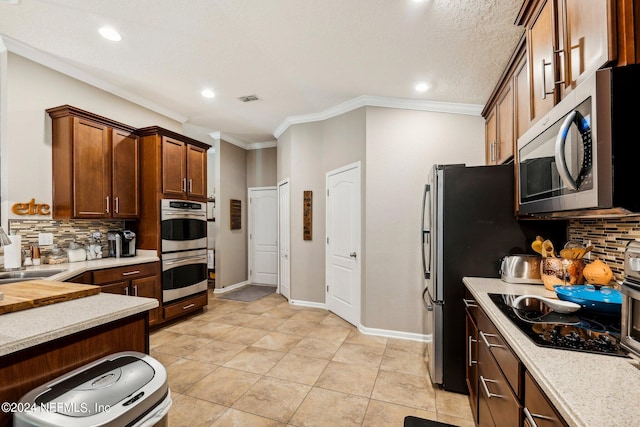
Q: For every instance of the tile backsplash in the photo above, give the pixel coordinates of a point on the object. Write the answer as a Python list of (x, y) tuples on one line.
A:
[(609, 236), (64, 232)]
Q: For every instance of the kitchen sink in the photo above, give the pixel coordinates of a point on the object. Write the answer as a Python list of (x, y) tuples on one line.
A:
[(24, 275)]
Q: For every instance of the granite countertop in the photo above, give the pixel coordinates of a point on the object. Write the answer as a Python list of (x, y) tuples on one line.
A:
[(587, 389), (72, 269), (27, 328)]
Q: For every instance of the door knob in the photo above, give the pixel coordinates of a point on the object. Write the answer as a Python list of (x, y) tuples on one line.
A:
[(353, 255)]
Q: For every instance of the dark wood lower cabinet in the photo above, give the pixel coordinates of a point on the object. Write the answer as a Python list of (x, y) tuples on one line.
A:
[(538, 411), (501, 391), (27, 369)]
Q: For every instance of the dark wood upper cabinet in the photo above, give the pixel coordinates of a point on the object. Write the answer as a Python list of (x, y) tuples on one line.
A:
[(567, 40), (96, 170), (180, 160)]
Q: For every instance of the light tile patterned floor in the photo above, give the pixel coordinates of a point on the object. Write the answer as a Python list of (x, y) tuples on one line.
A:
[(268, 363)]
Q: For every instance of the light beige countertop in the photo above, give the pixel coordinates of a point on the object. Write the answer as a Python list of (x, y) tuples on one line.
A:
[(587, 389), (27, 328), (72, 269)]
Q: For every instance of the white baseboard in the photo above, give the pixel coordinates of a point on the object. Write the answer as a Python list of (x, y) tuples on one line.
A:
[(230, 288), (395, 334), (308, 304)]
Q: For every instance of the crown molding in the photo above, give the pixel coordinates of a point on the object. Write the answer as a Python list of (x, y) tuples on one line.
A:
[(247, 145), (380, 101), (60, 66)]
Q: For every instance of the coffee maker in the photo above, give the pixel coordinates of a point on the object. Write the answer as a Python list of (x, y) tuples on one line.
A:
[(121, 243)]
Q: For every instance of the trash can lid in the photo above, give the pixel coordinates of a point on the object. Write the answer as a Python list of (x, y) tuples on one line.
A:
[(98, 388)]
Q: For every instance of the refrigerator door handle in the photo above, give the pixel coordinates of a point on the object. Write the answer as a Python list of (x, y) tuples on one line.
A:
[(426, 233), (429, 305)]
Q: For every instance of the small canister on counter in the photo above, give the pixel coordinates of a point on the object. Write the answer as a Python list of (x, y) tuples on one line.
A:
[(35, 255)]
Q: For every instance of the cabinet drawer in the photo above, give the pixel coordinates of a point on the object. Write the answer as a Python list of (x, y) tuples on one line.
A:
[(129, 272), (508, 362), (538, 411), (185, 306), (495, 392)]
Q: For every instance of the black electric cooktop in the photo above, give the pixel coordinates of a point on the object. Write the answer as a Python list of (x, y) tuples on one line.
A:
[(582, 330)]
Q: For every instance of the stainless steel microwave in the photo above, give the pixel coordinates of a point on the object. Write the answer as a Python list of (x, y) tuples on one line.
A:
[(581, 158)]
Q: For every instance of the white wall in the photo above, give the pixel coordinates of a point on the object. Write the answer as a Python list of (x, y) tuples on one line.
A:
[(31, 89)]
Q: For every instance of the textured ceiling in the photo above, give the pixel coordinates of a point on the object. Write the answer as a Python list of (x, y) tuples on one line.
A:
[(300, 57)]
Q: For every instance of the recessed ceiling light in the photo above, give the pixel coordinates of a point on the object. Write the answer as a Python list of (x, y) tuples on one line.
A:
[(421, 86), (208, 93), (110, 34)]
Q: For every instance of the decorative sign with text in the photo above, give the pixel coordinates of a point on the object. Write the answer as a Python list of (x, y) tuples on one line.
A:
[(31, 208)]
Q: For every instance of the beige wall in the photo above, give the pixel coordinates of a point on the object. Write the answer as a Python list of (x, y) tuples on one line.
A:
[(306, 152), (396, 149), (31, 89), (261, 167), (402, 146), (231, 245)]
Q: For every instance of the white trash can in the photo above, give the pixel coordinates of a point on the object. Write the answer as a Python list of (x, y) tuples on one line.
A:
[(122, 389)]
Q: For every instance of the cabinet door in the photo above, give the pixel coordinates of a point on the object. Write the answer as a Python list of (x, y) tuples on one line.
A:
[(586, 38), (491, 135), (197, 170), (522, 114), (174, 163), (126, 175), (121, 288), (495, 393), (538, 411), (148, 287), (543, 63), (472, 366), (505, 116), (91, 169)]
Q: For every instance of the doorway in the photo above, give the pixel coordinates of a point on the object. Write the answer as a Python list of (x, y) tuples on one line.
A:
[(342, 257), (263, 235), (284, 232)]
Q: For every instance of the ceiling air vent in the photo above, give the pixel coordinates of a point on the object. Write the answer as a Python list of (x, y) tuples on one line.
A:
[(249, 98)]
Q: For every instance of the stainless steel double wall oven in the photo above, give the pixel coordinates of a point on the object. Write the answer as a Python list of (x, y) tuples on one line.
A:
[(183, 248)]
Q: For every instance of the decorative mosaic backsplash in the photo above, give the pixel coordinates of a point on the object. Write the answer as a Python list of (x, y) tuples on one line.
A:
[(64, 232), (609, 237)]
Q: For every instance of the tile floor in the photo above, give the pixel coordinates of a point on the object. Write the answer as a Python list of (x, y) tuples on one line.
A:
[(268, 363)]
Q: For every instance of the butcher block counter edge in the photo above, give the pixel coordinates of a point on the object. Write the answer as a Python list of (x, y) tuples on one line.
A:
[(587, 389)]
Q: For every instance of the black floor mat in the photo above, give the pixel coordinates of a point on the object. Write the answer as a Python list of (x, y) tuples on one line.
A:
[(410, 421)]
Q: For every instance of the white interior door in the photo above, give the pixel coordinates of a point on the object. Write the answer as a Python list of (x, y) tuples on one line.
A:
[(263, 235), (284, 230), (343, 243)]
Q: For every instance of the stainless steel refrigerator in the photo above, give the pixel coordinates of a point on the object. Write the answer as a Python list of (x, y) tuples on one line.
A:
[(468, 226)]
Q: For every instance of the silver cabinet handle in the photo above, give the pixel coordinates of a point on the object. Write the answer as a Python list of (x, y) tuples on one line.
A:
[(126, 290), (484, 382), (135, 290), (544, 79), (530, 417), (117, 210), (184, 184), (487, 343), (107, 198), (471, 361), (129, 273), (469, 303), (187, 307), (190, 185), (353, 254)]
